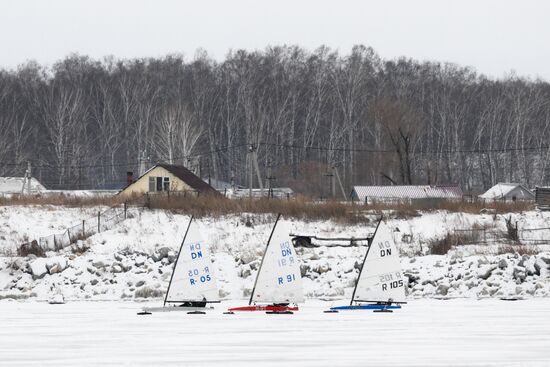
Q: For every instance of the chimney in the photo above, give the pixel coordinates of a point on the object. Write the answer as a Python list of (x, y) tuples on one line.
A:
[(130, 177)]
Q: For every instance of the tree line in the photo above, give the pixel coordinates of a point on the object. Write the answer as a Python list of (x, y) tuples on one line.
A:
[(84, 123)]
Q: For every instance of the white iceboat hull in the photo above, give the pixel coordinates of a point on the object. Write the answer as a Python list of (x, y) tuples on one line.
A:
[(176, 309)]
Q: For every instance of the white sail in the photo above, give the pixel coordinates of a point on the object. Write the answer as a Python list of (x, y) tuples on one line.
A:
[(381, 277), (279, 279), (193, 279)]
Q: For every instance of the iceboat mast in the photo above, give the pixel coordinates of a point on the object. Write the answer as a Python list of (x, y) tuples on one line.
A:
[(263, 257), (364, 260), (177, 258)]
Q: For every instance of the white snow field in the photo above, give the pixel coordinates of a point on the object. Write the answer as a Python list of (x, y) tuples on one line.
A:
[(135, 259), (459, 332)]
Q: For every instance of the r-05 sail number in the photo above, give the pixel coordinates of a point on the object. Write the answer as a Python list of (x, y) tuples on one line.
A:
[(391, 281), (196, 276)]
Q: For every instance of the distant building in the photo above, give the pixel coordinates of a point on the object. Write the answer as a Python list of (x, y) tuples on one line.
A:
[(542, 198), (14, 185), (508, 192), (220, 185), (398, 193), (164, 178), (274, 192)]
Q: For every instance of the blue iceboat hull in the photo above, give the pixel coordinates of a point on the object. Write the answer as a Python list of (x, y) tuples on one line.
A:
[(365, 307)]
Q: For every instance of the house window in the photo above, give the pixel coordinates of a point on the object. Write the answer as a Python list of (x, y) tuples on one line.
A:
[(159, 184)]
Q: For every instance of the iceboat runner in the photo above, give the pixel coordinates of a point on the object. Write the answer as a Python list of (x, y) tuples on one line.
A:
[(278, 286), (192, 283), (380, 285)]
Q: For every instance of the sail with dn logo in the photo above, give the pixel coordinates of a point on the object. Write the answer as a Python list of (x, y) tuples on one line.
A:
[(193, 279), (381, 278), (192, 284), (381, 284), (279, 281)]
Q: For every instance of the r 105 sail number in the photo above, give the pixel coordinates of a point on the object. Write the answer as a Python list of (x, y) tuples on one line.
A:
[(392, 285), (391, 281)]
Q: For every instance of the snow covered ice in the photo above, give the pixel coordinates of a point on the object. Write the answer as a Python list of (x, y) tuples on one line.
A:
[(105, 278), (460, 332)]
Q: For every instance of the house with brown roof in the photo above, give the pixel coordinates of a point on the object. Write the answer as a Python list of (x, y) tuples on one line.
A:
[(167, 178)]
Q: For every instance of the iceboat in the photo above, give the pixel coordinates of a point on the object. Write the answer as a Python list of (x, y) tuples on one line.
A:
[(278, 285), (380, 285), (192, 284)]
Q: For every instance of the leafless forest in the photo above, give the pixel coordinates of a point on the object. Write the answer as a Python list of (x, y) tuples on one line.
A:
[(83, 123)]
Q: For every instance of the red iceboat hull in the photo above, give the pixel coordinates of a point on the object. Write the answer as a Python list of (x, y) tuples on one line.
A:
[(270, 308)]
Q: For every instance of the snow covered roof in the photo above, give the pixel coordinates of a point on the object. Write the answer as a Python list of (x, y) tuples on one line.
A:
[(503, 190), (277, 192), (220, 185), (192, 180), (14, 185), (408, 192)]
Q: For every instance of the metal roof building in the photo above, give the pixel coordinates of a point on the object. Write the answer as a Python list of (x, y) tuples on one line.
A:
[(508, 191), (369, 194), (14, 185)]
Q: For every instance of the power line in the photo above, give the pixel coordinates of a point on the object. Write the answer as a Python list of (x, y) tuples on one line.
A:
[(448, 151), (124, 164), (239, 160)]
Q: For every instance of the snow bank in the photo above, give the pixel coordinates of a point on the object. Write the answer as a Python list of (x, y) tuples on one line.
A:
[(135, 260)]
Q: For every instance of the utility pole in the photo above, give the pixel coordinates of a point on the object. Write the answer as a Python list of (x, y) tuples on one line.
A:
[(330, 177), (208, 168), (333, 183), (27, 179), (335, 172), (232, 179), (269, 178), (260, 183), (80, 172), (142, 161), (251, 149)]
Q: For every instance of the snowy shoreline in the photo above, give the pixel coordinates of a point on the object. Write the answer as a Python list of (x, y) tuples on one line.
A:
[(134, 260)]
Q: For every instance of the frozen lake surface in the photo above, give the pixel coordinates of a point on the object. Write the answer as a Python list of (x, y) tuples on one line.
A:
[(424, 333)]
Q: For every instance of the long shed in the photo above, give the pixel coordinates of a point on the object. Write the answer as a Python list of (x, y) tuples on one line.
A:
[(396, 193)]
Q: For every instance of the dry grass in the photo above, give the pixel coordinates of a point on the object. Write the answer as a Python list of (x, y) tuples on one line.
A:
[(300, 207), (304, 208), (475, 207), (519, 249), (146, 292), (31, 248), (463, 206), (453, 239), (62, 200)]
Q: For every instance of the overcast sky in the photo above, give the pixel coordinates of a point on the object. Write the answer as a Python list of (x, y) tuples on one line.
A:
[(493, 36)]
